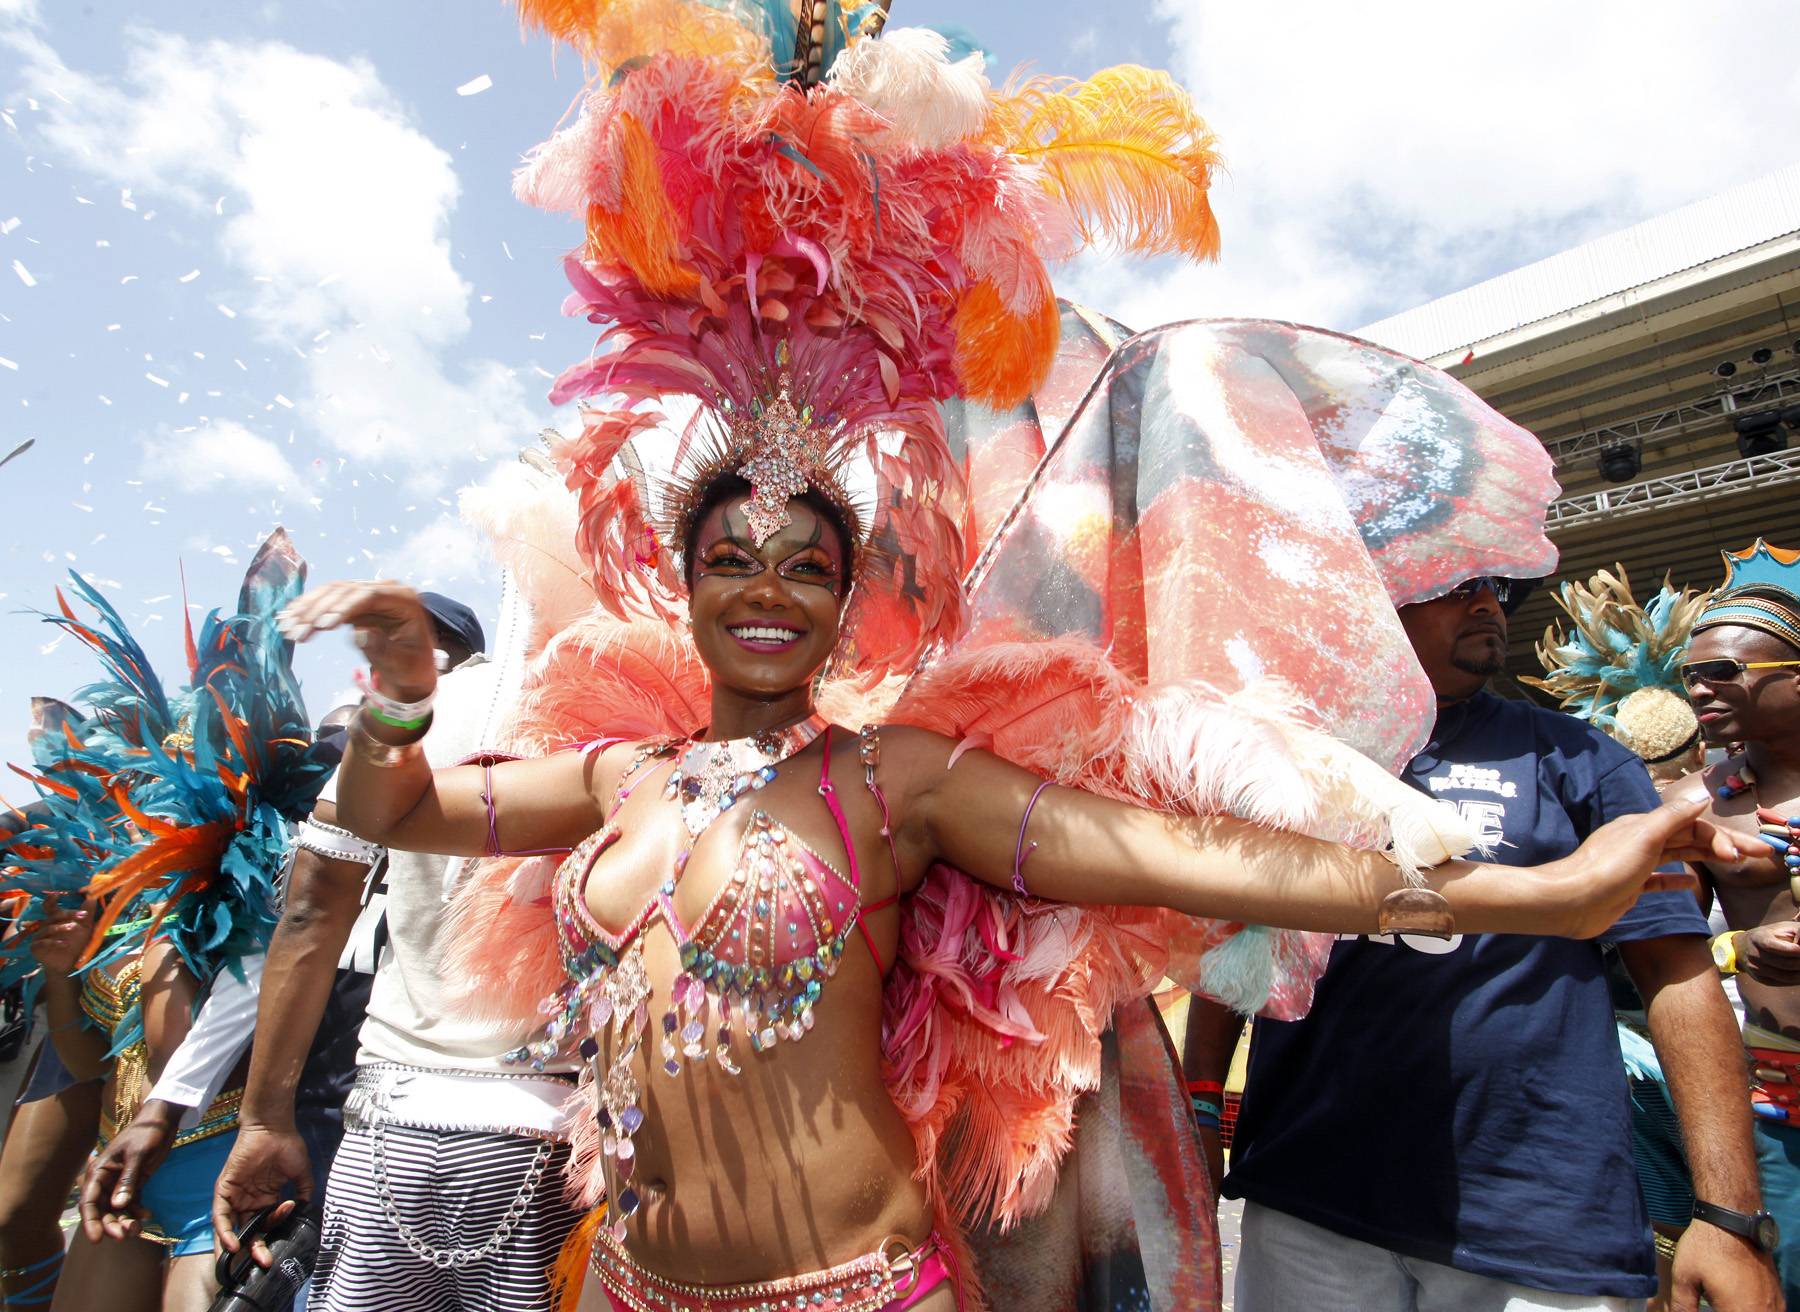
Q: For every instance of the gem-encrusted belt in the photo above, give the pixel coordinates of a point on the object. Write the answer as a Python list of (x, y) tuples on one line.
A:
[(892, 1273)]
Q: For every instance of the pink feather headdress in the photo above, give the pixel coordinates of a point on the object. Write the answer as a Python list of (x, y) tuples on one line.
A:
[(820, 233)]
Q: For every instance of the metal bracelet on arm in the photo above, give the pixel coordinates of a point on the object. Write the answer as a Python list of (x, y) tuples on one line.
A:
[(335, 844), (1414, 910), (386, 756)]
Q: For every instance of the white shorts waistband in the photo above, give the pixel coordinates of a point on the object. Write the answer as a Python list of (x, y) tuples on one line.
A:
[(530, 1106)]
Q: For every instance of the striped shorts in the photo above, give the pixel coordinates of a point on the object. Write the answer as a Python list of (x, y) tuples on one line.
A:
[(452, 1190)]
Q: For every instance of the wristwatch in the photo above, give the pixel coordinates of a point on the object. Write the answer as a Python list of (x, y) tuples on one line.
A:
[(1758, 1227), (1724, 952)]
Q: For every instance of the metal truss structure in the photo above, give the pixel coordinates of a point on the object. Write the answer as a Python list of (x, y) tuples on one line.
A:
[(1679, 421), (1694, 485)]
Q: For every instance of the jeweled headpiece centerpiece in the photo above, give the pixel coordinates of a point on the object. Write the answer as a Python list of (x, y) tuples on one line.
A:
[(785, 450)]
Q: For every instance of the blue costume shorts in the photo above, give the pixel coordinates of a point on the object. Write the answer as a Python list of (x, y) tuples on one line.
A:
[(180, 1194)]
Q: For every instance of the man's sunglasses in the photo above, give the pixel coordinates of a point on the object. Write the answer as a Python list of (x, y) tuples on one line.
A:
[(1725, 670), (1510, 593)]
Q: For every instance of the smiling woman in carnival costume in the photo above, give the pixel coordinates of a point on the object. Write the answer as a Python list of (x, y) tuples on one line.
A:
[(838, 989)]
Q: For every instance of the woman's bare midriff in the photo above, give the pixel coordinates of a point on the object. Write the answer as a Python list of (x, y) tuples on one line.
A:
[(802, 1161), (799, 1163)]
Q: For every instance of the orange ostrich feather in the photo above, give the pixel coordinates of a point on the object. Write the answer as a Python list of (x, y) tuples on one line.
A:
[(606, 33), (1002, 356), (170, 851), (644, 232)]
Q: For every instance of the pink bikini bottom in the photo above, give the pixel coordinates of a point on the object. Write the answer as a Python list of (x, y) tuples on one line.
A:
[(894, 1277)]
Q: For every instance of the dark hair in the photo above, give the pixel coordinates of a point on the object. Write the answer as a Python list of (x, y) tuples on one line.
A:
[(729, 487)]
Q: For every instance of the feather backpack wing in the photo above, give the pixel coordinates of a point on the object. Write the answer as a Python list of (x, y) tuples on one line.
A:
[(1191, 606)]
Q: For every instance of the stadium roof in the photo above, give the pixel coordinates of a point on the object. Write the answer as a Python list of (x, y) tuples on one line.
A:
[(1655, 341)]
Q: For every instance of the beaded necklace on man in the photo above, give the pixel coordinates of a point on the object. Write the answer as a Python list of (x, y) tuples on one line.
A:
[(1781, 832)]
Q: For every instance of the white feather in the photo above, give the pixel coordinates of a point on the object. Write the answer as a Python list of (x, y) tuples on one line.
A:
[(529, 518), (907, 77), (1255, 755)]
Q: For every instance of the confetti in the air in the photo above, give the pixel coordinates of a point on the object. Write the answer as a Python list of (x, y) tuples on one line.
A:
[(227, 311), (24, 274), (7, 227), (8, 364), (189, 276), (18, 450), (160, 382), (475, 86)]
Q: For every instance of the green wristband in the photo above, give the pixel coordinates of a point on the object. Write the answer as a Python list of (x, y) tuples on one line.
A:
[(377, 714)]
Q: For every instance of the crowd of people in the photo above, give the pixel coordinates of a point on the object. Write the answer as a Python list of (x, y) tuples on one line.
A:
[(771, 915)]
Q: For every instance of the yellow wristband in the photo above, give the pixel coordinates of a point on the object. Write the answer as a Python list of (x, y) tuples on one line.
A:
[(1724, 952)]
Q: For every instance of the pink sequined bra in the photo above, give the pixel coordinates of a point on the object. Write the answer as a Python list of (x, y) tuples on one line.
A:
[(755, 959)]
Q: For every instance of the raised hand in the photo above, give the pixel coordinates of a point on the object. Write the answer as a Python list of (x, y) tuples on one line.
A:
[(60, 938), (391, 627)]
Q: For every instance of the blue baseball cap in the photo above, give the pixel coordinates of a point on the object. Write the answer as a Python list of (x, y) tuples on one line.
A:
[(456, 619)]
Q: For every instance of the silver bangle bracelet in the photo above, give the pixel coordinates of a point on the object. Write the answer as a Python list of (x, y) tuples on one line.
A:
[(335, 844)]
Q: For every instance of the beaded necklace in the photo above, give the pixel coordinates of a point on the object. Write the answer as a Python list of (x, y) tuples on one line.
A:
[(609, 986), (1780, 832)]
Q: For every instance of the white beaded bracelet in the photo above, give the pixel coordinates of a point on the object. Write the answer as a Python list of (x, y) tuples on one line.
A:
[(336, 844)]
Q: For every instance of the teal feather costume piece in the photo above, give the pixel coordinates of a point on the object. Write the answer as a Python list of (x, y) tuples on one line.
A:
[(172, 813), (1617, 651)]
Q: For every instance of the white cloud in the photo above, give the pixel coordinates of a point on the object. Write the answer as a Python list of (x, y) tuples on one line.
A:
[(447, 556), (223, 453), (1381, 157), (336, 204), (18, 11)]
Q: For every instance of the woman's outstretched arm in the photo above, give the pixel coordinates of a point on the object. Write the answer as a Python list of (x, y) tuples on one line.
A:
[(1092, 849), (388, 794)]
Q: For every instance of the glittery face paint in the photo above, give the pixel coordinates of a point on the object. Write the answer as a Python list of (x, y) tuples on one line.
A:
[(807, 550), (765, 618)]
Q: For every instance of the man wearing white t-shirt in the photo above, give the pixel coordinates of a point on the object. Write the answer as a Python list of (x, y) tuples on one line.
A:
[(445, 1192)]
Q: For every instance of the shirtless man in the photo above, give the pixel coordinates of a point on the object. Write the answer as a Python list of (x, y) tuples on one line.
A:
[(1742, 671)]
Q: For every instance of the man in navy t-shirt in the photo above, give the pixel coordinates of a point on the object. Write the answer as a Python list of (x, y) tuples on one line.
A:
[(1449, 1127)]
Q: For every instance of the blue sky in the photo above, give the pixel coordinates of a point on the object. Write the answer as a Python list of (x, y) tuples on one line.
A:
[(260, 263)]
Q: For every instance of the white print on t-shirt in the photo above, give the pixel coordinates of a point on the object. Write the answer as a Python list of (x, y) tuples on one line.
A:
[(1473, 779), (1488, 820)]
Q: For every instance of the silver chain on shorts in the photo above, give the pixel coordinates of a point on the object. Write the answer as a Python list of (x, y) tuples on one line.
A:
[(445, 1259)]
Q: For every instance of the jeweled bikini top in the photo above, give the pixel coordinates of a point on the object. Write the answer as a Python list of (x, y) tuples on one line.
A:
[(757, 957)]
